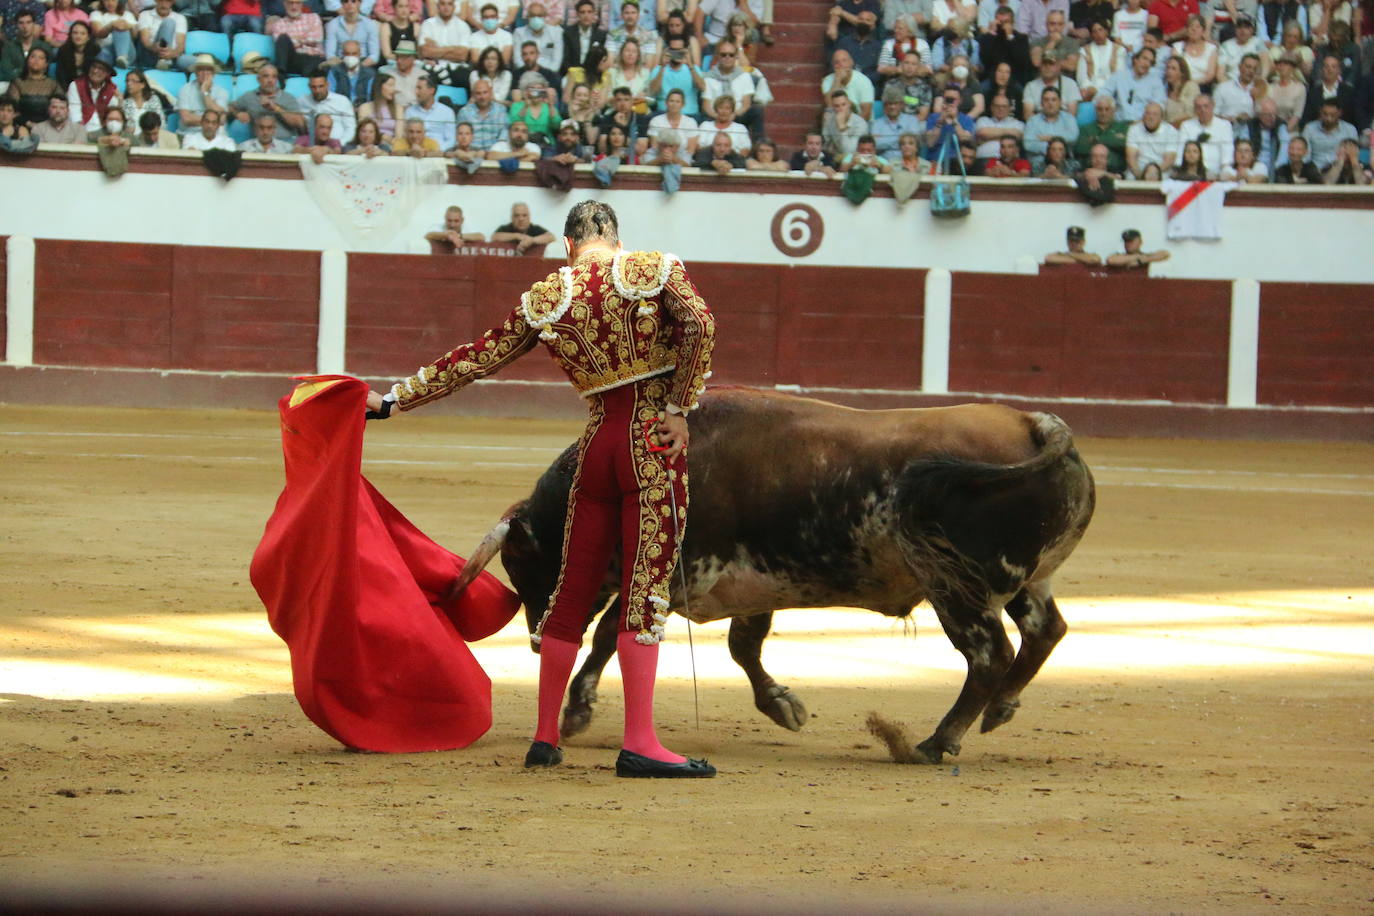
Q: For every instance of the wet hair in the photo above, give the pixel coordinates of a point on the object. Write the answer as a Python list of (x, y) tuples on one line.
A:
[(591, 220)]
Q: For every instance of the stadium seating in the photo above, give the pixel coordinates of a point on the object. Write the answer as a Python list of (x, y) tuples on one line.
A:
[(169, 81), (453, 94), (202, 42), (247, 42), (244, 82), (299, 86)]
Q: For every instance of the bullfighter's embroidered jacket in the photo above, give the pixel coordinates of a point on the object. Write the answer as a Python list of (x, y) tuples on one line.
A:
[(603, 320)]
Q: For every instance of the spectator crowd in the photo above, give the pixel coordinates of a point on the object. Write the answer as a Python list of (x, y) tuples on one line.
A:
[(1245, 90)]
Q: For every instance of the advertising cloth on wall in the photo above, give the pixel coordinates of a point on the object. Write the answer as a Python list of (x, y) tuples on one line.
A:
[(379, 656)]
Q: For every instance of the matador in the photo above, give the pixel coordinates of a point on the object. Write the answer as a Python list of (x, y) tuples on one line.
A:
[(635, 339)]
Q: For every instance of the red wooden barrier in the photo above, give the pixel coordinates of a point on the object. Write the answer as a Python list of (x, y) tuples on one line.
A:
[(1314, 345), (1087, 336), (175, 307)]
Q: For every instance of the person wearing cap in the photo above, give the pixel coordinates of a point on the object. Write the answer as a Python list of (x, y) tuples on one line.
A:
[(89, 97), (199, 95), (320, 101), (444, 49), (1134, 257), (269, 100), (162, 38), (407, 73), (1051, 77), (894, 122), (299, 37), (1233, 50), (1235, 99), (1077, 253)]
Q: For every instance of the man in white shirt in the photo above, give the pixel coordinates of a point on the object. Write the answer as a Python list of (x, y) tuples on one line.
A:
[(162, 38), (1234, 51), (200, 94), (517, 147), (1151, 145), (990, 129), (1213, 134), (726, 79), (321, 101), (265, 138), (444, 43), (1235, 98), (491, 35), (547, 36), (208, 135)]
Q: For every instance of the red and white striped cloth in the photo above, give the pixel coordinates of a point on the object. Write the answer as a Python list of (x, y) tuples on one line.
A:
[(1193, 208)]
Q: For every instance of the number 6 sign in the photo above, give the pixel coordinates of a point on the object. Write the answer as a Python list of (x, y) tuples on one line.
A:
[(797, 230)]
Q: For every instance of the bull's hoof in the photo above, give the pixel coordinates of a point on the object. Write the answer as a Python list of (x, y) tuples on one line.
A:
[(575, 720), (932, 750), (783, 707), (999, 714)]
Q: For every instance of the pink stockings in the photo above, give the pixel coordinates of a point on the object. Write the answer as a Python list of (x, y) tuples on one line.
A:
[(638, 666)]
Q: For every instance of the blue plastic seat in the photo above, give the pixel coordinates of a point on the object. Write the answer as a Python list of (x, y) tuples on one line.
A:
[(238, 131), (225, 81), (199, 41), (246, 42), (299, 86), (244, 82), (119, 77), (169, 81), (456, 95)]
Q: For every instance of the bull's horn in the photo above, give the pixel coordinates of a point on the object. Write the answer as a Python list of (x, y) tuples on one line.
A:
[(490, 547)]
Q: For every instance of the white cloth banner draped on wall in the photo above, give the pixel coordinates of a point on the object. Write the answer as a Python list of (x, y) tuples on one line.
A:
[(1193, 208), (369, 200)]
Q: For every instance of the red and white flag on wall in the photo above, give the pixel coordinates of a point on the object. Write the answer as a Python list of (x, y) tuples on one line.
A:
[(1193, 208)]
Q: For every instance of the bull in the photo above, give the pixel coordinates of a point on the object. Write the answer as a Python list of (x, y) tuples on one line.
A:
[(801, 503)]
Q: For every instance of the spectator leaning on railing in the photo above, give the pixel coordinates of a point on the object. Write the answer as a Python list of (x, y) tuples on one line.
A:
[(720, 157)]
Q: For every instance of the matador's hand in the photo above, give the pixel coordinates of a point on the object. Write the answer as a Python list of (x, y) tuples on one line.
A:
[(672, 433), (379, 407)]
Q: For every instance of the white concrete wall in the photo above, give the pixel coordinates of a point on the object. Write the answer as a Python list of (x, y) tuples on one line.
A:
[(1330, 245)]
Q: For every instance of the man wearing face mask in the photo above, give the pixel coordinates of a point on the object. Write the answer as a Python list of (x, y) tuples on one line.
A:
[(490, 35), (547, 37), (863, 45), (351, 26), (349, 78)]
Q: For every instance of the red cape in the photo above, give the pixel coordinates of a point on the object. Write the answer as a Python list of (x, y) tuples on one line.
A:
[(378, 659)]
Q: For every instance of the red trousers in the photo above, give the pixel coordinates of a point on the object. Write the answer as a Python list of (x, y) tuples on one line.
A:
[(622, 495)]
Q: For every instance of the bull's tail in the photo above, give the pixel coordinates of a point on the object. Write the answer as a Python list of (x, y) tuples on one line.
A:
[(490, 547), (957, 515)]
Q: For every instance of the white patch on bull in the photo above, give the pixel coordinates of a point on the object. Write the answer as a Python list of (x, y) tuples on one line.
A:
[(1016, 572)]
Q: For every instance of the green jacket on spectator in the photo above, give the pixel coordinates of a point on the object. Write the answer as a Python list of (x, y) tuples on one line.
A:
[(12, 58), (1113, 136)]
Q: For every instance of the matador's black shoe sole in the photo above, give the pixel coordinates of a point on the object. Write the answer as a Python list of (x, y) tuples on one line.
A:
[(637, 766), (543, 754)]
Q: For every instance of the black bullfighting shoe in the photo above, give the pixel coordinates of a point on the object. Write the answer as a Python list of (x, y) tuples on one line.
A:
[(637, 766), (543, 754)]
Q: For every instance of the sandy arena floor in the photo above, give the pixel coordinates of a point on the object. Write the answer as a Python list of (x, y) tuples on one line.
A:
[(1201, 741)]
